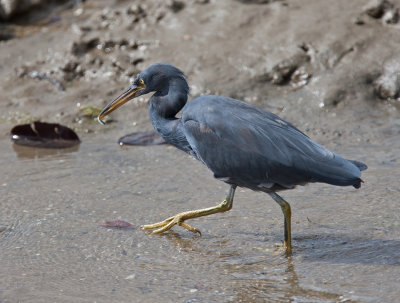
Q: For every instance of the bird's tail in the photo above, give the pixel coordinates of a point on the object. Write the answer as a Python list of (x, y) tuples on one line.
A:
[(361, 166)]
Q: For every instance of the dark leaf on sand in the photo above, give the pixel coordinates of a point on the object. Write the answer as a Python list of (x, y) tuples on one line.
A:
[(117, 223), (142, 138), (46, 135)]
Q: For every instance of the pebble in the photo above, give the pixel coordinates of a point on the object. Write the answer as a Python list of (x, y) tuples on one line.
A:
[(376, 8), (387, 86), (131, 277), (282, 72), (381, 9)]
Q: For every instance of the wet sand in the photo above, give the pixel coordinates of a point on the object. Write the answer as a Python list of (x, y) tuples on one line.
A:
[(346, 244), (346, 241)]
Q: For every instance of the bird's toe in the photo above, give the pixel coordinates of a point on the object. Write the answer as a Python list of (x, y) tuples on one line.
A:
[(169, 223)]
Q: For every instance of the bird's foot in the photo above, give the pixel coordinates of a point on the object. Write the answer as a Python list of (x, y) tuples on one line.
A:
[(170, 222), (181, 217), (288, 249)]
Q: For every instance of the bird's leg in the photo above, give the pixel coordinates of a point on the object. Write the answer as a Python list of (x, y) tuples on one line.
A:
[(287, 213), (181, 217)]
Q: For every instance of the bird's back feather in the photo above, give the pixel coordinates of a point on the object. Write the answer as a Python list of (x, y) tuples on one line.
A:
[(254, 148)]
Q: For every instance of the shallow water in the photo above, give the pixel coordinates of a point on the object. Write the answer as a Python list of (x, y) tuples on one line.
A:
[(53, 249)]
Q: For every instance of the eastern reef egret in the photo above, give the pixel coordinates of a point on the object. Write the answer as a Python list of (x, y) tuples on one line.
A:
[(241, 144)]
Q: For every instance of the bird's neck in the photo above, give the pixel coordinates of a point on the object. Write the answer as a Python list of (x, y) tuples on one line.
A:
[(166, 103)]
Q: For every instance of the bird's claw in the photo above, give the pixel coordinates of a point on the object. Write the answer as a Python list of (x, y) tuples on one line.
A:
[(169, 223)]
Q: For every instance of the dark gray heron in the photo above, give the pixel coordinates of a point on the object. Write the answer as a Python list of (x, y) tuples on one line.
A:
[(241, 144)]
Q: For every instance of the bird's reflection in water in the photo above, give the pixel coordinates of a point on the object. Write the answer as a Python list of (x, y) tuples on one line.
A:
[(260, 278), (281, 286)]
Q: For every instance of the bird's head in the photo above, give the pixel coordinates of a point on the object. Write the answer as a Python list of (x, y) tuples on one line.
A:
[(155, 78)]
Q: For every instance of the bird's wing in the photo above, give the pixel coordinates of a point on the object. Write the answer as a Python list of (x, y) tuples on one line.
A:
[(245, 143)]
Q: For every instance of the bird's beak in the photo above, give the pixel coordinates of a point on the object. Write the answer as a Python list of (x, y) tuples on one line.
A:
[(132, 92)]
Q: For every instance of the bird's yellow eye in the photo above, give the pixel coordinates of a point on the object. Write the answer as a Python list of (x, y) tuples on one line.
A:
[(141, 81)]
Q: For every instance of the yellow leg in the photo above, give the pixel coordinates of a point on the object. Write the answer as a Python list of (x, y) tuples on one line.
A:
[(181, 217), (287, 213)]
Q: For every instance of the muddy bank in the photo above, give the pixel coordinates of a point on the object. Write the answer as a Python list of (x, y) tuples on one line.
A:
[(314, 70)]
